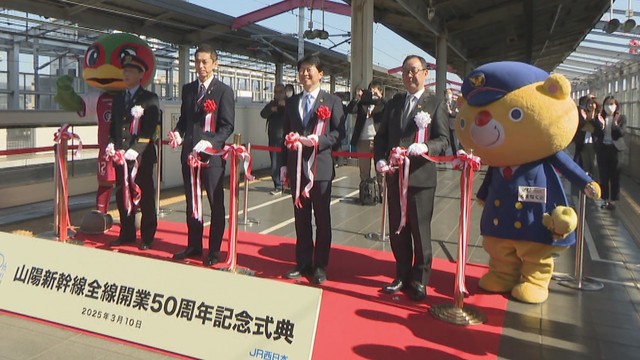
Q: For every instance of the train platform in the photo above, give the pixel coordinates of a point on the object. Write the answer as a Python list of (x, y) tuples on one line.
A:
[(572, 324)]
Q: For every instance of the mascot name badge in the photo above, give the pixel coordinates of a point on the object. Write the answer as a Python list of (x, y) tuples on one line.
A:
[(532, 194)]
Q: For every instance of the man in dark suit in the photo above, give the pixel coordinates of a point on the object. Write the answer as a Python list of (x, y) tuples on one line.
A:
[(303, 115), (274, 113), (200, 132), (134, 135), (369, 107), (412, 244)]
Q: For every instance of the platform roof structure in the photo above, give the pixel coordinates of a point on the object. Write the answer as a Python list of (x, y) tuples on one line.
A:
[(182, 23)]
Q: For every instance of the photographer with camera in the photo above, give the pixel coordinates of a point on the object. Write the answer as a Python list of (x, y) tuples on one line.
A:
[(369, 107)]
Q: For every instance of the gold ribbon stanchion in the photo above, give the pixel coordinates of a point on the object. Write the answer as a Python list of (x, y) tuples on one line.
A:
[(382, 235), (458, 313), (246, 220), (234, 170), (62, 225)]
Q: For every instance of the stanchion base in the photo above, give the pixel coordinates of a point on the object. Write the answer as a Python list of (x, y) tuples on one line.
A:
[(587, 284), (250, 222), (164, 212), (239, 270), (460, 316), (561, 277), (51, 235), (376, 236)]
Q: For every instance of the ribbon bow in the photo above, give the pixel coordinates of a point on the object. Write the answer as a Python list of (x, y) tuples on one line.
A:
[(131, 192), (64, 134), (398, 158)]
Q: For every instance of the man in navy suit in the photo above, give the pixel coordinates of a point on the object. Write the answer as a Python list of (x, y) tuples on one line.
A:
[(412, 245), (318, 118), (135, 137), (200, 132)]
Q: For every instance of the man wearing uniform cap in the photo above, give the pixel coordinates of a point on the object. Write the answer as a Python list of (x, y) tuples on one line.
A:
[(135, 137)]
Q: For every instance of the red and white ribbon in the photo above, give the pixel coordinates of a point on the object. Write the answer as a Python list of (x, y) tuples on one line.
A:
[(131, 193), (293, 141), (60, 137), (173, 140), (196, 165), (136, 113), (398, 158), (63, 133), (209, 121), (468, 164)]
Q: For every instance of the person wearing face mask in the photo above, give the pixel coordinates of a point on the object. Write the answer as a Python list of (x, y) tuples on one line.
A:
[(369, 107), (452, 112), (585, 153), (274, 113), (609, 130)]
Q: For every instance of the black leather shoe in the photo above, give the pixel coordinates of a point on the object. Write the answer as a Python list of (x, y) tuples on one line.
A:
[(418, 291), (212, 259), (120, 241), (189, 252), (393, 287), (319, 276), (144, 245), (298, 272)]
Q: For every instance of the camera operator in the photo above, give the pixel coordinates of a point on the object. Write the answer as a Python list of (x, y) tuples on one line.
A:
[(369, 107)]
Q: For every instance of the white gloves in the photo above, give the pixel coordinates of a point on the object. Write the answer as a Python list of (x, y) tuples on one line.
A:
[(202, 145), (179, 140), (110, 150), (131, 155), (309, 140), (283, 175), (417, 149), (382, 167)]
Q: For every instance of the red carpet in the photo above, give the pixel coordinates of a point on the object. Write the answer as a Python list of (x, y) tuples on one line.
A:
[(356, 320)]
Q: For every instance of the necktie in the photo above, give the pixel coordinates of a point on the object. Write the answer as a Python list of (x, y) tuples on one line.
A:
[(127, 99), (507, 172), (407, 109), (308, 105), (201, 93)]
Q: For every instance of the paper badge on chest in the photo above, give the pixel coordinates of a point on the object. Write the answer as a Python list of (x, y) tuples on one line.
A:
[(532, 194)]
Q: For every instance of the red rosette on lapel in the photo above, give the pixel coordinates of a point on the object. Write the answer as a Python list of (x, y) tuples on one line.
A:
[(323, 113), (210, 107)]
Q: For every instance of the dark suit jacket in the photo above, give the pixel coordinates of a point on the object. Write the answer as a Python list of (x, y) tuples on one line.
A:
[(274, 121), (121, 119), (390, 134), (617, 129), (333, 134), (192, 118), (360, 107)]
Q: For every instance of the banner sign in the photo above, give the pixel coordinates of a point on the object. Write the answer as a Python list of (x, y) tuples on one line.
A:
[(193, 311)]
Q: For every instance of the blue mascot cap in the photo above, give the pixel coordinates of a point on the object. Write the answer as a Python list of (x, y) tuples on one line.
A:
[(492, 81)]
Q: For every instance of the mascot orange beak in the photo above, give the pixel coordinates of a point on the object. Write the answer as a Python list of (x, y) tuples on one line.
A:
[(106, 77)]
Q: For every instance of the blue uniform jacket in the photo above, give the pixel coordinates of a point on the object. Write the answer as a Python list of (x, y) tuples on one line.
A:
[(505, 216)]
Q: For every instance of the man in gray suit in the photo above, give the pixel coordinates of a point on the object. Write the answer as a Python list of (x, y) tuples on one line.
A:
[(412, 244), (317, 116)]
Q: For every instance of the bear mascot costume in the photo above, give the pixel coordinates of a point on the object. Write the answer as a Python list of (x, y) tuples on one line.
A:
[(517, 118), (102, 71)]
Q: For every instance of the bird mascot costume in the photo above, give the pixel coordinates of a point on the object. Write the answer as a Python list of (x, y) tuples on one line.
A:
[(103, 73)]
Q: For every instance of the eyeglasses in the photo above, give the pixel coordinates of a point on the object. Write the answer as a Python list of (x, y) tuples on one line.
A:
[(413, 71)]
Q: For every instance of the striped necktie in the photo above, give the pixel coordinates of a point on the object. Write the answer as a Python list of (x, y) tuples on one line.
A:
[(308, 105), (201, 94)]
